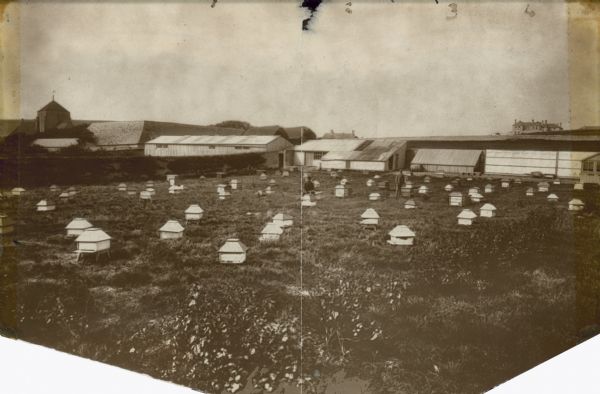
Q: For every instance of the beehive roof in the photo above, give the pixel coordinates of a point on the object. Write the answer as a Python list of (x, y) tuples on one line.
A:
[(172, 226), (194, 208), (530, 189), (401, 231), (476, 195), (5, 220), (122, 184), (272, 228), (18, 189), (467, 214), (410, 202), (78, 224), (282, 216), (576, 201), (93, 234), (370, 213), (64, 194), (544, 184), (423, 187), (456, 194), (488, 207), (44, 203), (233, 245), (374, 194), (552, 196), (340, 186)]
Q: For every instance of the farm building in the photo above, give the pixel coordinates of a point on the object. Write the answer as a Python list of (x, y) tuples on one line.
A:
[(451, 161), (283, 220), (563, 163), (233, 251), (92, 240), (401, 235), (369, 217), (45, 205), (6, 225), (271, 147), (172, 229), (487, 211), (310, 153), (271, 232), (77, 226), (193, 213), (465, 218), (373, 155), (55, 144), (590, 169)]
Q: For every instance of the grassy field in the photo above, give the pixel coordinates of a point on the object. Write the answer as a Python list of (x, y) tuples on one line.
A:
[(461, 311)]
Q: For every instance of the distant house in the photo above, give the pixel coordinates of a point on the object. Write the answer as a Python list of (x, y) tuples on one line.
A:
[(590, 169), (53, 116), (55, 144), (520, 127), (452, 161), (336, 135)]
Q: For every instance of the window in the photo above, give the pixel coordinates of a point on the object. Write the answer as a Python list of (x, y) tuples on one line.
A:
[(318, 155), (242, 147), (211, 147), (588, 166)]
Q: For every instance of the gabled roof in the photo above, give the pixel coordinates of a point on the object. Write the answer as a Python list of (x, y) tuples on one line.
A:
[(44, 203), (456, 194), (117, 133), (449, 157), (488, 207), (370, 213), (93, 235), (272, 228), (576, 201), (78, 224), (330, 145), (53, 106), (410, 202), (215, 140), (233, 245), (466, 214), (401, 231), (172, 226), (376, 150), (194, 208), (552, 196)]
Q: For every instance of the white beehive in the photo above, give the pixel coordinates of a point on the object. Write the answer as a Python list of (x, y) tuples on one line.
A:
[(269, 190), (487, 211), (518, 181), (6, 225), (448, 188), (193, 213), (131, 191), (263, 177), (272, 182), (455, 199), (401, 235), (64, 196), (271, 232), (17, 191), (316, 184), (466, 217), (505, 183), (374, 196), (235, 184), (233, 251), (54, 188), (406, 191), (77, 226), (306, 201), (543, 187), (285, 173), (410, 204), (427, 179), (341, 191), (175, 189), (370, 182), (283, 220), (333, 174), (529, 192), (221, 188), (576, 205), (343, 181), (45, 205), (72, 191), (150, 184), (556, 181), (224, 196), (423, 189), (476, 197), (473, 190), (122, 187), (578, 186), (145, 195), (552, 197), (369, 217), (377, 177), (171, 178), (489, 188), (151, 191), (469, 179), (172, 229), (318, 195), (93, 240)]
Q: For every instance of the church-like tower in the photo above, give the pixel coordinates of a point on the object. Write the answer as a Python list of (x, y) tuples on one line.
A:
[(52, 116)]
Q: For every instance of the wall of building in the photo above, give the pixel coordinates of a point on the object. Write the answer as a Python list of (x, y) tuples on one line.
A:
[(334, 164), (444, 168), (564, 164), (176, 150), (368, 165)]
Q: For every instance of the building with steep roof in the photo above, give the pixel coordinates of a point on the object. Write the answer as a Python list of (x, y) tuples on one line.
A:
[(53, 116)]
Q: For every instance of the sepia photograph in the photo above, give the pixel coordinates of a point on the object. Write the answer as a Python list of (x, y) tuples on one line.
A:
[(300, 196)]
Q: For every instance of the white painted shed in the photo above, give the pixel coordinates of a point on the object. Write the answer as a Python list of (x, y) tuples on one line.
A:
[(77, 226), (401, 235), (172, 229), (233, 251)]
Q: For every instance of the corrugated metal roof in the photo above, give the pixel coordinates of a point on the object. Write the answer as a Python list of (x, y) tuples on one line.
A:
[(330, 145), (450, 157), (117, 133), (55, 142), (215, 140), (375, 150)]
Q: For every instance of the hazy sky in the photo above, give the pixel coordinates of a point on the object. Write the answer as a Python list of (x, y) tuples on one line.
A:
[(387, 69)]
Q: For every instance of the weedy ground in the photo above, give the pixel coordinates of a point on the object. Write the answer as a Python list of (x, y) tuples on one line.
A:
[(462, 310)]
